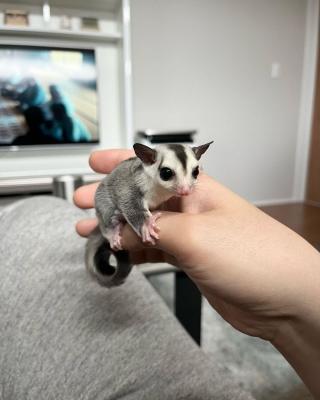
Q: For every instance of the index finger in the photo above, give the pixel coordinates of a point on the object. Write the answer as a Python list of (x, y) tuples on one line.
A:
[(104, 161)]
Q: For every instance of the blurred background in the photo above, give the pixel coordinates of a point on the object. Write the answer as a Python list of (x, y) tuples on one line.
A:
[(241, 73)]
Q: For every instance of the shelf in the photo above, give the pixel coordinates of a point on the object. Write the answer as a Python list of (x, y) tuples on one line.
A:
[(60, 33), (98, 5)]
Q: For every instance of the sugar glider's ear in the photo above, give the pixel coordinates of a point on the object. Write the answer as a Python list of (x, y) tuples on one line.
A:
[(199, 150), (146, 154)]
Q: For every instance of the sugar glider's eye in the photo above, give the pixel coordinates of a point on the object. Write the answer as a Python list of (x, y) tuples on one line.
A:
[(195, 172), (166, 174)]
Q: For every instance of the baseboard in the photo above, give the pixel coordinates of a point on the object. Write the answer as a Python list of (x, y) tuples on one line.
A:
[(312, 203), (274, 202)]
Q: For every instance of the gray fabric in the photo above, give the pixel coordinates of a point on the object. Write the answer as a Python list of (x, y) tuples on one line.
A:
[(64, 337)]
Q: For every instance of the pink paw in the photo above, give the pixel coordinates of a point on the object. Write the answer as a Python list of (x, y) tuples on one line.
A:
[(149, 230), (115, 241)]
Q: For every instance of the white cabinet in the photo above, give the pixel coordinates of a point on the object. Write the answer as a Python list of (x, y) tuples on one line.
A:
[(111, 42)]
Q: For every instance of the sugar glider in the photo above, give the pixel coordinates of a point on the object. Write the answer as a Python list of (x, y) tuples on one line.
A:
[(136, 187)]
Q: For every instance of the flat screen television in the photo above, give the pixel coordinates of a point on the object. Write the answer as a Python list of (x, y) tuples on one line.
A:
[(48, 96)]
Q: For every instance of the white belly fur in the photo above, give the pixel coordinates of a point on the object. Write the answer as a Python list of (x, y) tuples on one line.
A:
[(156, 197)]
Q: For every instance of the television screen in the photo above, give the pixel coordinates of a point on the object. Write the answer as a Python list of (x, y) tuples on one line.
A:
[(47, 96)]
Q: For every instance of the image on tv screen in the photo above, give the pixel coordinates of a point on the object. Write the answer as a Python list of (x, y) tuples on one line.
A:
[(47, 96)]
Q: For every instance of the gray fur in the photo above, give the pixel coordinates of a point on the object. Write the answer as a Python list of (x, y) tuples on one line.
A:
[(118, 197), (120, 193), (97, 270)]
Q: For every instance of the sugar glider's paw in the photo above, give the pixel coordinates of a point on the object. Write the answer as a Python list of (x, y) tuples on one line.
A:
[(115, 237), (149, 230)]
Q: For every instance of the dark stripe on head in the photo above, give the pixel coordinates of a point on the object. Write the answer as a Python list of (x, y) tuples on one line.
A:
[(161, 161), (181, 154)]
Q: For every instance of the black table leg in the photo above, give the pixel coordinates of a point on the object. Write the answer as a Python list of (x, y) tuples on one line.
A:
[(188, 305)]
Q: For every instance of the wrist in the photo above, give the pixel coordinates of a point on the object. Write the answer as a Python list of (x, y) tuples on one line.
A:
[(298, 339)]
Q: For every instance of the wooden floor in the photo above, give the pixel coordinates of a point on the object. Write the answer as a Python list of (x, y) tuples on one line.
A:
[(302, 218)]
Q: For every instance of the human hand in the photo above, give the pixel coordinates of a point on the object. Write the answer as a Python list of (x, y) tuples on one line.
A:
[(258, 274), (237, 255)]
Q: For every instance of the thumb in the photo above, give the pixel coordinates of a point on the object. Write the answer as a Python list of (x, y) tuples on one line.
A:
[(175, 234)]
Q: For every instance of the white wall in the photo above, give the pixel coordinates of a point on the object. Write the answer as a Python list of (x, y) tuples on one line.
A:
[(206, 64)]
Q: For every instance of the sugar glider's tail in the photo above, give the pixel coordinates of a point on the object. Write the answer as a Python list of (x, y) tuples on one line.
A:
[(109, 268)]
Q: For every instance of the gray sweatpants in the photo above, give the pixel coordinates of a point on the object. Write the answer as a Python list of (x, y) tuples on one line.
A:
[(64, 337)]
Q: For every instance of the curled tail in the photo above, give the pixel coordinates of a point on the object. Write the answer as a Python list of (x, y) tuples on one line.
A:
[(109, 268)]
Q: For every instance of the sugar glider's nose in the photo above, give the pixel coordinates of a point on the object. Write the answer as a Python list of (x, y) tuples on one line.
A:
[(183, 190)]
